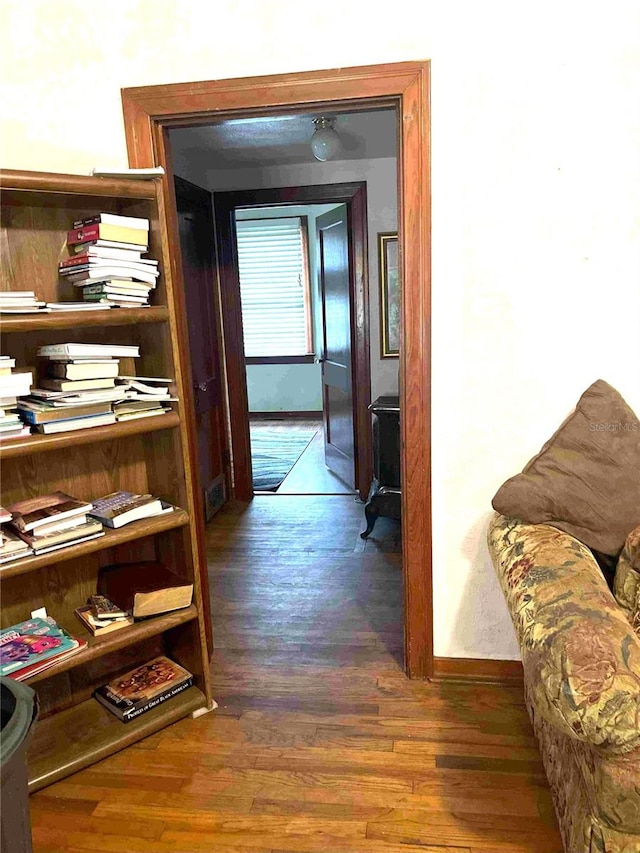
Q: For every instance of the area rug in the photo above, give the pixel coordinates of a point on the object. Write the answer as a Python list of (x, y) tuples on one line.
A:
[(274, 453)]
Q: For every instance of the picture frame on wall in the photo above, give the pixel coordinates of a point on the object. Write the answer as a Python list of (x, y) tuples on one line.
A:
[(389, 294)]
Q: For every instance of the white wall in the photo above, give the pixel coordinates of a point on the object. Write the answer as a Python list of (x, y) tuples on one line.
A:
[(536, 200)]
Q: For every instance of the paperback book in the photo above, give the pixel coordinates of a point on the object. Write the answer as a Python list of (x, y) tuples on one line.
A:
[(33, 646), (143, 688)]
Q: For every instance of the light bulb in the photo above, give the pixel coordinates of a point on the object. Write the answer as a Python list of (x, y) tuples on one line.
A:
[(325, 142)]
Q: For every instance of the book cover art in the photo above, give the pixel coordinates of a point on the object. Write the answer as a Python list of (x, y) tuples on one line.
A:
[(32, 642), (34, 512), (135, 690)]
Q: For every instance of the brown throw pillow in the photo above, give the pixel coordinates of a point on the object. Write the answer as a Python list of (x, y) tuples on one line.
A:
[(586, 478)]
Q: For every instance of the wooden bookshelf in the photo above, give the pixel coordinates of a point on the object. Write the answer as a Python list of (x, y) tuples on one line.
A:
[(146, 455), (43, 443), (86, 319), (87, 732)]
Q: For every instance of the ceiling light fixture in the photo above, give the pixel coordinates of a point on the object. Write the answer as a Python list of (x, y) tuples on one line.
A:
[(325, 142)]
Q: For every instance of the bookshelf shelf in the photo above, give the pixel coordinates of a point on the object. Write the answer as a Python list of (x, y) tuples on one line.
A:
[(16, 447), (84, 319), (87, 732), (120, 639), (111, 538), (152, 455)]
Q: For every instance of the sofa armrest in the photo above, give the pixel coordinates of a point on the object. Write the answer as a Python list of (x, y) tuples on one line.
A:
[(580, 655)]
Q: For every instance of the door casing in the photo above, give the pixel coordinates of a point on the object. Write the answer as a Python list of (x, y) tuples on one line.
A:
[(225, 205), (149, 113)]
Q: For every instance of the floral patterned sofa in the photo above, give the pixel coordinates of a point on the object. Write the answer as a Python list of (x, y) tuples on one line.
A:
[(581, 660)]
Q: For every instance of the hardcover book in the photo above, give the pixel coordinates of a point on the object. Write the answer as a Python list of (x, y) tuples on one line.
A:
[(144, 589), (32, 513), (120, 508), (143, 688), (32, 646)]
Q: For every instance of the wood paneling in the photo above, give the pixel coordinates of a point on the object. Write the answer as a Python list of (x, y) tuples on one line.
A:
[(149, 111)]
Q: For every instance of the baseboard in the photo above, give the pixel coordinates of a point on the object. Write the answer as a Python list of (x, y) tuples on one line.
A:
[(282, 416), (477, 669)]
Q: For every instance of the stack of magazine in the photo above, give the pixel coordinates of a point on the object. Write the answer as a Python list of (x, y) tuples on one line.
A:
[(35, 645)]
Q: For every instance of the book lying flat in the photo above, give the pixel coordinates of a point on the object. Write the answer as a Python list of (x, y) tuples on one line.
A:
[(46, 413), (32, 513), (76, 349), (87, 370), (113, 219), (57, 384), (98, 627), (147, 588), (61, 537), (69, 424), (136, 174), (143, 688), (32, 646), (120, 508)]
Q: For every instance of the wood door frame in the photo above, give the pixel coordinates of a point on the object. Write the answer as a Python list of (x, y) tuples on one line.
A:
[(353, 195), (149, 112)]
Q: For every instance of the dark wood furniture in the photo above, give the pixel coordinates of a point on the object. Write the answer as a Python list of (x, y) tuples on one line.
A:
[(385, 494), (147, 455)]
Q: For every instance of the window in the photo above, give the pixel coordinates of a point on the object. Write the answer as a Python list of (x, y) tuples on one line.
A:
[(274, 287)]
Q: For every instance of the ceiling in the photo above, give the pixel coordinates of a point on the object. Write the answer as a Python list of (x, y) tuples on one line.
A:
[(283, 140)]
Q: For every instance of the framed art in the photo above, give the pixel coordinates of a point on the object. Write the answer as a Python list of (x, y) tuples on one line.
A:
[(389, 295)]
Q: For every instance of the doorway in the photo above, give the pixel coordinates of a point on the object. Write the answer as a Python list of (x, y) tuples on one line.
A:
[(149, 112), (353, 197)]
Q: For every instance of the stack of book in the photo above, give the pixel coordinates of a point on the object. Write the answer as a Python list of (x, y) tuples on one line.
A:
[(12, 386), (143, 688), (102, 616), (78, 387), (50, 522), (105, 260), (11, 546), (21, 302), (35, 645), (145, 396)]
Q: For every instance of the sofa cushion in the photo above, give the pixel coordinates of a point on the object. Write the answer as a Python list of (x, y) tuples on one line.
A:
[(586, 478), (626, 584)]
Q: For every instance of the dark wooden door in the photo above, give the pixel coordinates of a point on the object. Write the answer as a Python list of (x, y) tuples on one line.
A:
[(195, 226), (337, 373)]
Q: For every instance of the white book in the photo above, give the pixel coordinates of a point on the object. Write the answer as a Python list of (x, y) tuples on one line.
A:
[(76, 349), (99, 273), (106, 244), (161, 380), (132, 416), (68, 544), (18, 294), (150, 172), (23, 310), (76, 306), (110, 253)]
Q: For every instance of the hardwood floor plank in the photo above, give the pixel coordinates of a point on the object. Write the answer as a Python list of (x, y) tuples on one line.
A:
[(319, 742)]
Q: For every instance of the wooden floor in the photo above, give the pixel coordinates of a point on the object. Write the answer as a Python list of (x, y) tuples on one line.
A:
[(319, 743)]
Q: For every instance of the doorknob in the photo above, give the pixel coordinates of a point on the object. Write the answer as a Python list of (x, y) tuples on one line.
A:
[(318, 360)]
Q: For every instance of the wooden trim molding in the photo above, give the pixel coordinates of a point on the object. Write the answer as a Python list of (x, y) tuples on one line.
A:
[(285, 416), (478, 669), (280, 359), (404, 85)]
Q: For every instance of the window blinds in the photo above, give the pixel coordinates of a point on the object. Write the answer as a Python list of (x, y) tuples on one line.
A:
[(271, 261)]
